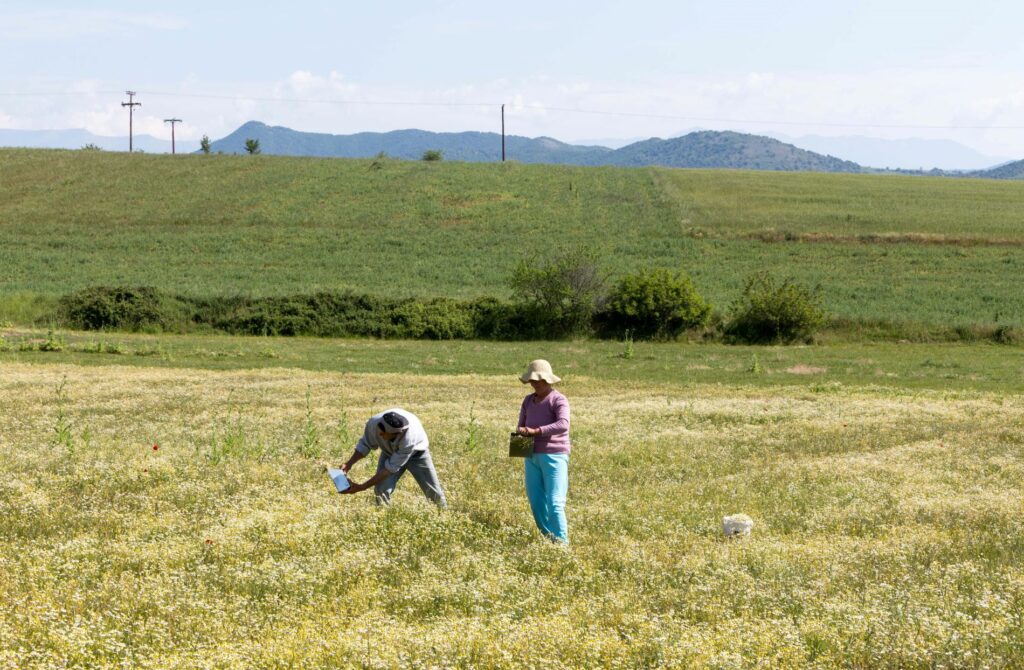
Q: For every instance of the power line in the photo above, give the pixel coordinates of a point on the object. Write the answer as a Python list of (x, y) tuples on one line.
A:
[(704, 119), (323, 101), (542, 108)]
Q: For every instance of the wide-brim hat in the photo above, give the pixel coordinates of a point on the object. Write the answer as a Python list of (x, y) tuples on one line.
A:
[(538, 370)]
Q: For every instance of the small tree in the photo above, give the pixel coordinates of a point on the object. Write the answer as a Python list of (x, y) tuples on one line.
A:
[(771, 312), (433, 155), (252, 146), (657, 304), (204, 144), (561, 295)]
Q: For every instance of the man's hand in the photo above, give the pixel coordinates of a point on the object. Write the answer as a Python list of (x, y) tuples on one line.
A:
[(354, 488)]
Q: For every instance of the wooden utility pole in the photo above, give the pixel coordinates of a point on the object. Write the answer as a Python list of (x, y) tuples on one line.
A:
[(502, 133), (172, 122), (131, 105)]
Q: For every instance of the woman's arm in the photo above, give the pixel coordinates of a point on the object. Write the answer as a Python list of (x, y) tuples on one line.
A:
[(560, 407)]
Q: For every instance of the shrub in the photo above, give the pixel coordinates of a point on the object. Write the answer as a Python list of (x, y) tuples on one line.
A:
[(560, 296), (204, 144), (433, 155), (658, 304), (771, 312), (1007, 335), (122, 308), (252, 146)]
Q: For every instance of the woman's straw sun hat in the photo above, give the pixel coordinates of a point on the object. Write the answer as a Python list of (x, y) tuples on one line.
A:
[(537, 370)]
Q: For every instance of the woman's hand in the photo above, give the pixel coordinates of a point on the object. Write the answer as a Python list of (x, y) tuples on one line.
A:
[(523, 430)]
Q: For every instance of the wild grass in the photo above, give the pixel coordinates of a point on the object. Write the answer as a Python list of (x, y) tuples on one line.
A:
[(226, 225), (887, 521), (951, 367), (732, 203)]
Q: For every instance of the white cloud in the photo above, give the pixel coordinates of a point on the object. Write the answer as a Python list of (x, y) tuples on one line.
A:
[(110, 120), (66, 24)]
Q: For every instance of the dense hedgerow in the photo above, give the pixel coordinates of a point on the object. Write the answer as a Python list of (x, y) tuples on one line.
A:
[(123, 308), (322, 314)]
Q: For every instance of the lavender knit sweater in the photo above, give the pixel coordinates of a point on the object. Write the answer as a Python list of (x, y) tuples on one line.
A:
[(551, 415)]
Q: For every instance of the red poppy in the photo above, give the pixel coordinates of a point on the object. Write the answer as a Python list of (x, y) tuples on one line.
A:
[(209, 541), (155, 447)]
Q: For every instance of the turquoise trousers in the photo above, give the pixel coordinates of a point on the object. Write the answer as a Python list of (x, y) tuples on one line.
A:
[(547, 483)]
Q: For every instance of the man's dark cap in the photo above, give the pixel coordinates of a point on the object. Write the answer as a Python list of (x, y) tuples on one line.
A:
[(393, 422)]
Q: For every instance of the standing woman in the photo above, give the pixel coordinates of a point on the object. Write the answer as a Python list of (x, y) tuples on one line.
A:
[(544, 416)]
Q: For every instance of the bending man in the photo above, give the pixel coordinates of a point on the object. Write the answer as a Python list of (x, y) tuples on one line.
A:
[(403, 446)]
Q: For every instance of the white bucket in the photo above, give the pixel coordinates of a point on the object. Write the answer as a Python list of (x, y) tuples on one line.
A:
[(736, 525)]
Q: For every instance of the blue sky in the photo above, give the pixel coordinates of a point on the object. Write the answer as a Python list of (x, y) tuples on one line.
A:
[(886, 69)]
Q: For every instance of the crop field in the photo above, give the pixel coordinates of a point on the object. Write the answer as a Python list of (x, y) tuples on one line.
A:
[(163, 502), (163, 505), (882, 248)]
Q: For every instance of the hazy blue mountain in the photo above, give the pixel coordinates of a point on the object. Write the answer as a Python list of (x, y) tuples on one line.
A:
[(610, 142), (1013, 170), (904, 154), (407, 144), (700, 149), (726, 149), (78, 138)]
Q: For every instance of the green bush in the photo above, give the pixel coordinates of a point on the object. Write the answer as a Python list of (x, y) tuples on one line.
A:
[(1007, 335), (656, 304), (559, 297), (431, 155), (769, 312), (123, 308)]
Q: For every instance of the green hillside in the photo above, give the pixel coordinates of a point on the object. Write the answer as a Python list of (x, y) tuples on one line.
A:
[(703, 149), (1014, 170), (939, 251), (713, 149)]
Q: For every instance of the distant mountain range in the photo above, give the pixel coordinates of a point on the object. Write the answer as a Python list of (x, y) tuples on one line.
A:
[(78, 138), (406, 144), (697, 149), (704, 149), (1013, 170)]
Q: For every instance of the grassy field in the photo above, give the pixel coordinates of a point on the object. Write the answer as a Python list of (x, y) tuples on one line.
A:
[(162, 505), (928, 250), (949, 367), (162, 497)]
